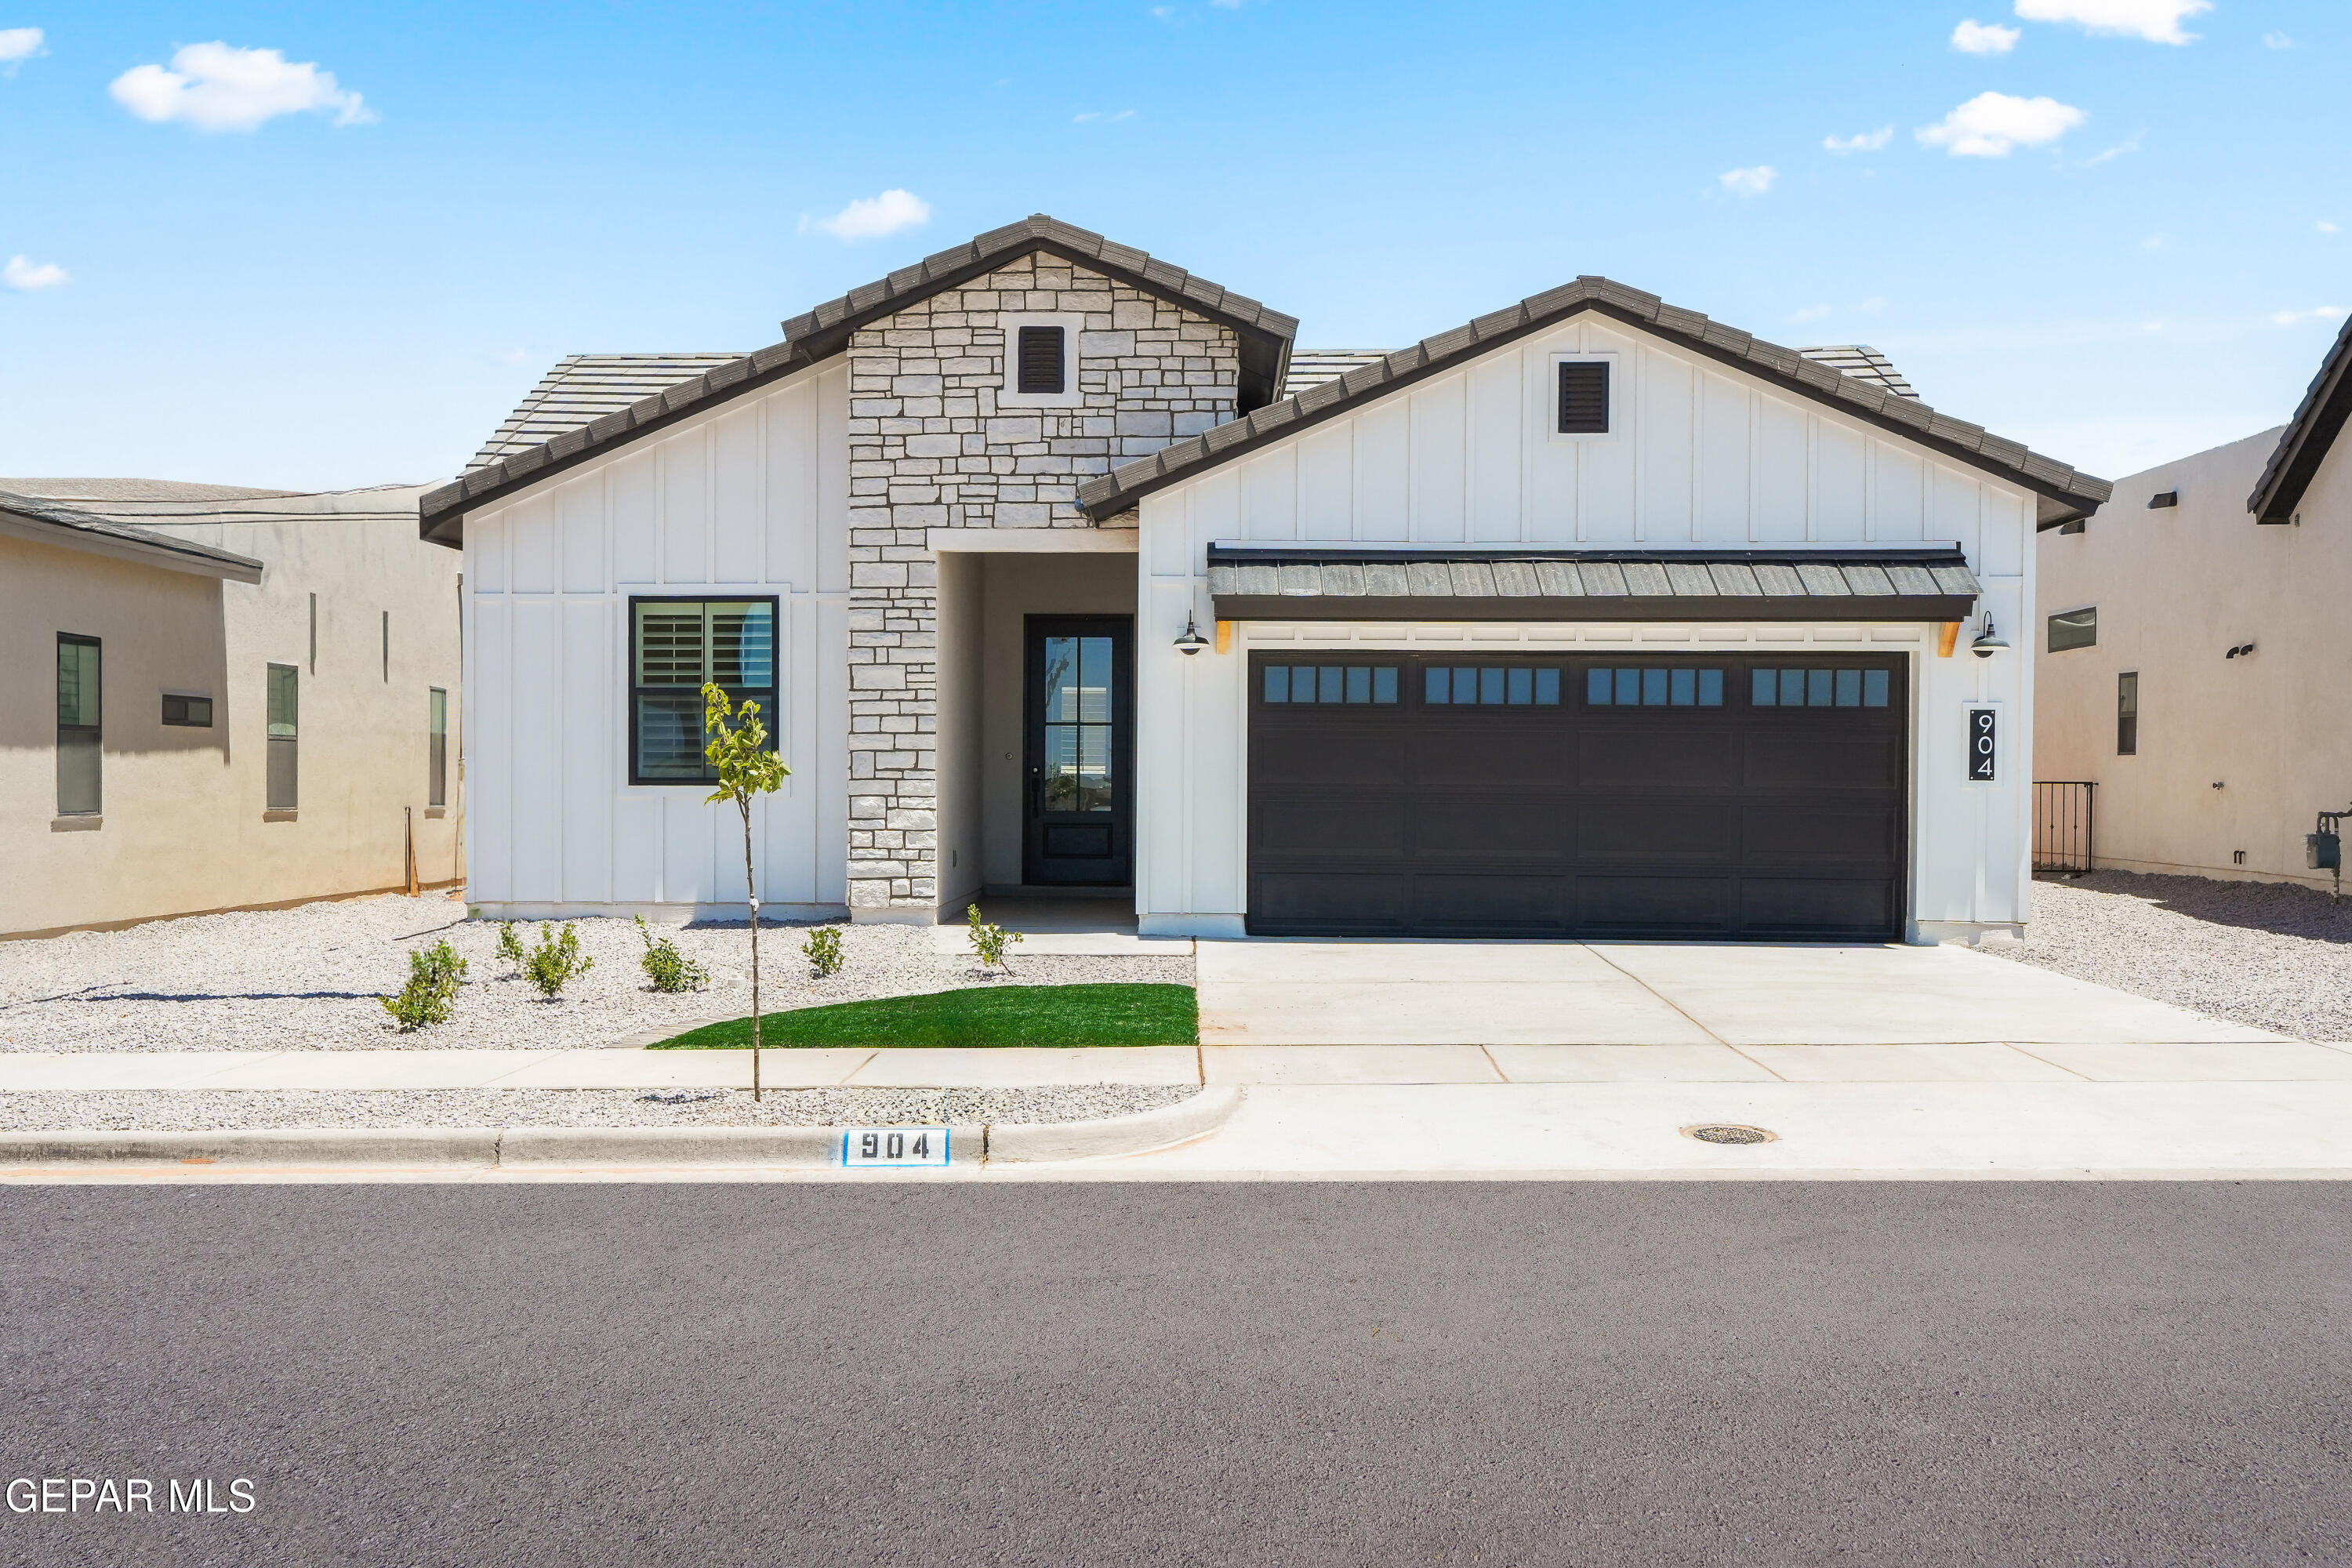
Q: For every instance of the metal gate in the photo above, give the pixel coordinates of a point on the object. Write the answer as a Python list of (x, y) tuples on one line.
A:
[(2063, 812)]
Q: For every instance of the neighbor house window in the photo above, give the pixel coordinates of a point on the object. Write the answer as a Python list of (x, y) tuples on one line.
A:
[(436, 747), (1039, 361), (285, 719), (78, 733), (2074, 628), (1584, 397), (185, 711), (2128, 714), (676, 646)]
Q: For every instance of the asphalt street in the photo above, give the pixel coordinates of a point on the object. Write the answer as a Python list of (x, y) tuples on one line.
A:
[(1241, 1373)]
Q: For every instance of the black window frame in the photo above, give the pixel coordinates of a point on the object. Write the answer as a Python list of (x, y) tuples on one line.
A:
[(2127, 713), (187, 719), (2091, 625), (94, 734), (1024, 360), (436, 745), (766, 695), (1572, 370)]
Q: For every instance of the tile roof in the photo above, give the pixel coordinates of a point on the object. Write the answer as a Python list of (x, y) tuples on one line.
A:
[(28, 517), (1864, 364), (1858, 582), (92, 489), (2309, 434), (818, 334), (583, 388), (2064, 493), (1313, 367)]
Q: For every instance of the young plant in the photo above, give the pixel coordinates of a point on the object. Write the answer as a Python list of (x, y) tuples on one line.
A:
[(739, 754), (823, 950), (510, 945), (988, 940), (556, 961), (430, 996), (670, 969)]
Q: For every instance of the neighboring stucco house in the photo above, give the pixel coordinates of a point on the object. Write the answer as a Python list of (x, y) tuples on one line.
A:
[(221, 698), (1591, 618), (2193, 647)]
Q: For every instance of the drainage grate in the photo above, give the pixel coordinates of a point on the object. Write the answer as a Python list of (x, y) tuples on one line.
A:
[(1728, 1132)]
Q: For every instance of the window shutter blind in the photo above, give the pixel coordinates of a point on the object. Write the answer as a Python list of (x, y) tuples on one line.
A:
[(1039, 361), (1584, 398)]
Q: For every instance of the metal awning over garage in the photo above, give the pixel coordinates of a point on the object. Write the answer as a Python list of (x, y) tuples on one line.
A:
[(1347, 582)]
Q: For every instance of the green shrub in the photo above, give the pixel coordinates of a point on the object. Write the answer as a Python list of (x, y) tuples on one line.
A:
[(988, 940), (430, 996), (556, 960), (822, 949), (668, 969), (511, 946)]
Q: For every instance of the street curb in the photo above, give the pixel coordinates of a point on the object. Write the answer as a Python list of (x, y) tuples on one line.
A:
[(1038, 1142), (969, 1144)]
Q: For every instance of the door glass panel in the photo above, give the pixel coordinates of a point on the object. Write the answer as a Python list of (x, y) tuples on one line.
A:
[(1061, 680), (1094, 768), (1384, 683), (1466, 686), (1093, 680), (1849, 688), (1816, 688), (1684, 688), (1327, 685), (1078, 704), (1873, 689), (1792, 689), (1277, 683)]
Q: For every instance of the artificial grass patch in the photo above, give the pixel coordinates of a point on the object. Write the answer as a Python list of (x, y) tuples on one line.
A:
[(981, 1016)]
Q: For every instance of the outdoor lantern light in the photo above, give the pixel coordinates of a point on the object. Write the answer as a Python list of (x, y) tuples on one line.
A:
[(1192, 642), (1987, 644)]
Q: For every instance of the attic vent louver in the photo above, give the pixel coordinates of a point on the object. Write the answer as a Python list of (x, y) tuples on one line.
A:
[(1040, 358), (1584, 397), (2164, 499)]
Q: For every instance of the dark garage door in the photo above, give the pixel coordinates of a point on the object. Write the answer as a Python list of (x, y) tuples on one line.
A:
[(1430, 794)]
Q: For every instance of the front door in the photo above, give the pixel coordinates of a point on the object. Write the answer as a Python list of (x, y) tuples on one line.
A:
[(1080, 794)]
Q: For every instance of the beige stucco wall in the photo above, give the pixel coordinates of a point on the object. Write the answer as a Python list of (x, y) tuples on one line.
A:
[(2176, 588), (184, 828)]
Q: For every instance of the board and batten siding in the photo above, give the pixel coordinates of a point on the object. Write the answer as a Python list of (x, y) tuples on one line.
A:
[(750, 499), (1697, 454)]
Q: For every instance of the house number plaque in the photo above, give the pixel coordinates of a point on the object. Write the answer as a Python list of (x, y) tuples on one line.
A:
[(1983, 740), (894, 1146)]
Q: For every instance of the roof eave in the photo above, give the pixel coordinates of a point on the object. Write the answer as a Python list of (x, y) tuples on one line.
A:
[(171, 555), (2309, 436)]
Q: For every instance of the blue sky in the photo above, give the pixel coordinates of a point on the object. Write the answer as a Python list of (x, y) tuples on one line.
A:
[(2131, 252)]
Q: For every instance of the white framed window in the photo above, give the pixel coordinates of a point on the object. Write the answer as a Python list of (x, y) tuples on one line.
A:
[(1584, 395), (1041, 361)]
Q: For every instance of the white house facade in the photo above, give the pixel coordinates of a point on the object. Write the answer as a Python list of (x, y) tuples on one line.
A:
[(1591, 619)]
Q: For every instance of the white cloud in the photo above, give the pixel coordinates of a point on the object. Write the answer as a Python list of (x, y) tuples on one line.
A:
[(2278, 41), (2324, 226), (1226, 5), (214, 87), (22, 273), (1974, 37), (2156, 242), (2158, 21), (18, 45), (1092, 115), (1752, 182), (871, 217), (1873, 305), (1994, 124), (2316, 313), (1811, 313), (1865, 142)]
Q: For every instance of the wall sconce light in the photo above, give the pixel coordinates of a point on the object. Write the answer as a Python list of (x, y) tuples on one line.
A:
[(1192, 642), (2240, 652), (1986, 644)]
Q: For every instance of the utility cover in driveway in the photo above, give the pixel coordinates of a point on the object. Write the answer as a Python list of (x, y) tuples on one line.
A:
[(1641, 794)]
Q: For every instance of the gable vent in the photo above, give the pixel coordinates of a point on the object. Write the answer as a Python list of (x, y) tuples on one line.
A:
[(1584, 398), (1039, 361)]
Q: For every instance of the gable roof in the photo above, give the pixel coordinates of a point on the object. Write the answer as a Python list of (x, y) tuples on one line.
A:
[(47, 522), (820, 333), (2065, 494), (582, 389), (2309, 437)]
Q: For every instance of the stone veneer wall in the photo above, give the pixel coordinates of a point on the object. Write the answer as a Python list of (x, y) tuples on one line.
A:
[(928, 448)]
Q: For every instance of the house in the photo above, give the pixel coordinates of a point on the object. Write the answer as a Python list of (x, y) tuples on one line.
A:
[(225, 698), (1591, 616), (2192, 649)]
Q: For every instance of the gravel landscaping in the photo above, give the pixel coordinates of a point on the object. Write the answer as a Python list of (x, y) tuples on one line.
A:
[(2270, 955), (307, 979), (210, 1110)]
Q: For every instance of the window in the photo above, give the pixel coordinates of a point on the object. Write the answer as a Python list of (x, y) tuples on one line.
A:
[(2074, 628), (676, 646), (2128, 714), (314, 634), (387, 645), (78, 763), (1039, 361), (1343, 683), (191, 712), (436, 747), (285, 735), (1492, 685), (1584, 397), (1818, 689), (1680, 687)]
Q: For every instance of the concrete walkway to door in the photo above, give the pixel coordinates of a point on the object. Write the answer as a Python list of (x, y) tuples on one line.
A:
[(1473, 1012)]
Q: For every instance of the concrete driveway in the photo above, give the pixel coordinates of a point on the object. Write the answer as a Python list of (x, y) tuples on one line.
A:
[(1572, 1012)]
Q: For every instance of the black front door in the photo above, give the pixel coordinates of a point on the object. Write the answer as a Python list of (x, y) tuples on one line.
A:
[(1080, 826)]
